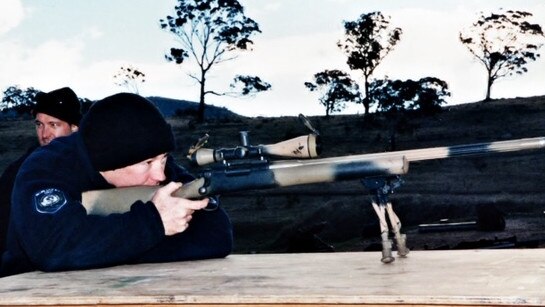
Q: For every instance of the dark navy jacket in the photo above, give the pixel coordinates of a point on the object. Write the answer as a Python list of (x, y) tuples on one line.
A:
[(50, 230), (7, 180)]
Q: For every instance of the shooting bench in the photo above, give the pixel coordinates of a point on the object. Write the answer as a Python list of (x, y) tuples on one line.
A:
[(438, 278)]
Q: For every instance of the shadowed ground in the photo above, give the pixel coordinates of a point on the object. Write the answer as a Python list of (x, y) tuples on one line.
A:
[(339, 215)]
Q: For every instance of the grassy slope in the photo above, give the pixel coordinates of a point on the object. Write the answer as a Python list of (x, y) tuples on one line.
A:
[(266, 221)]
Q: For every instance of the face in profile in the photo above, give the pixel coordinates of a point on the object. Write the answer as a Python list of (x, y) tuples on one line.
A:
[(149, 172)]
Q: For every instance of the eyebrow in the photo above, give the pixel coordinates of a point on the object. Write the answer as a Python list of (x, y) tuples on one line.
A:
[(49, 122)]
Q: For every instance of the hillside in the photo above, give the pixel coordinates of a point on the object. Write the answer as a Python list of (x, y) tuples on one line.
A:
[(172, 107), (303, 218), (341, 215), (168, 106)]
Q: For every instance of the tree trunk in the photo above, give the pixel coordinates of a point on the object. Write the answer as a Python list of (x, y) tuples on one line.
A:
[(489, 83), (200, 111), (366, 100)]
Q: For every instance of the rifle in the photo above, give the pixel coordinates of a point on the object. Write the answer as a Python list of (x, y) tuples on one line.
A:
[(247, 167)]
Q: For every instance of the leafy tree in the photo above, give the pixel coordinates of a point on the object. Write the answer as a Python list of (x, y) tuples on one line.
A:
[(337, 88), (366, 42), (129, 77), (249, 85), (426, 95), (18, 100), (209, 31), (504, 43)]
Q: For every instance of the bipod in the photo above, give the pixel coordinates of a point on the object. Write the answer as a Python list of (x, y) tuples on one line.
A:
[(379, 188)]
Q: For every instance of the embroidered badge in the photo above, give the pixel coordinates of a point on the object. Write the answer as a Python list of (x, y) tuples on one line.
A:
[(49, 200)]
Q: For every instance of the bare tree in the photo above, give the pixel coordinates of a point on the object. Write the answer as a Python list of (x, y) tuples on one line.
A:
[(367, 41), (209, 31), (504, 43), (129, 77)]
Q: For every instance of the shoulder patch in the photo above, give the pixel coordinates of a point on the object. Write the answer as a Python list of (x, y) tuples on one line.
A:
[(49, 200)]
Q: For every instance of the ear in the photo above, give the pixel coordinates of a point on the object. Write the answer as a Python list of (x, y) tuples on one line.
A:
[(74, 128)]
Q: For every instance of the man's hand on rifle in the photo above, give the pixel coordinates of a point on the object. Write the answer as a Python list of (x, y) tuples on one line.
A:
[(175, 212)]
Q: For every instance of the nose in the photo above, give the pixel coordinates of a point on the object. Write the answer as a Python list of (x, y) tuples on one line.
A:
[(158, 172)]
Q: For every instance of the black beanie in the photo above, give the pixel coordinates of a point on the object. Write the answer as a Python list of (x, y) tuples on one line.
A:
[(124, 129), (61, 103)]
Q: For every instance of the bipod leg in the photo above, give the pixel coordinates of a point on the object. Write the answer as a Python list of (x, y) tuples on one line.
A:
[(380, 210), (401, 238), (379, 188)]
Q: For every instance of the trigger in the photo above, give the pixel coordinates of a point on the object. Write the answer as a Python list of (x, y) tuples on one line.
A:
[(213, 203)]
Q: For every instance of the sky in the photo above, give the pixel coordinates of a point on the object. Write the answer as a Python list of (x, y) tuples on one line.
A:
[(48, 44)]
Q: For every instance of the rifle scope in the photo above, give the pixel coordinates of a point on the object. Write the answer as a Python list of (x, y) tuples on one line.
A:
[(302, 147)]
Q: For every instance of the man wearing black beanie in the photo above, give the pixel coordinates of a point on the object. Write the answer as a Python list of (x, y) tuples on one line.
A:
[(123, 141), (56, 114)]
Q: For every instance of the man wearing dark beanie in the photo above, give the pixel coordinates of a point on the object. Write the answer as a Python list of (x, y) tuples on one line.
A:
[(56, 114), (123, 141)]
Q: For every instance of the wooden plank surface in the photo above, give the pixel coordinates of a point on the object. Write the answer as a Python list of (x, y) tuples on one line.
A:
[(461, 277)]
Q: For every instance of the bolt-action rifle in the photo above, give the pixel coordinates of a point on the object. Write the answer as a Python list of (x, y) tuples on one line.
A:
[(247, 167)]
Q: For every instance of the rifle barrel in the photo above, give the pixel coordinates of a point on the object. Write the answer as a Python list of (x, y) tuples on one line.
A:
[(414, 155)]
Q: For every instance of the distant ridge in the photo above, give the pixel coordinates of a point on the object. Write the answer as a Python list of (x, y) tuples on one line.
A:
[(171, 107)]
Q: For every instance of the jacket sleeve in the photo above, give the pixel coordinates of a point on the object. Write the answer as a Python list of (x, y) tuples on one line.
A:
[(56, 233)]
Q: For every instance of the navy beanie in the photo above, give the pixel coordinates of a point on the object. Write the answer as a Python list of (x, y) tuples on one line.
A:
[(124, 129), (61, 103)]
